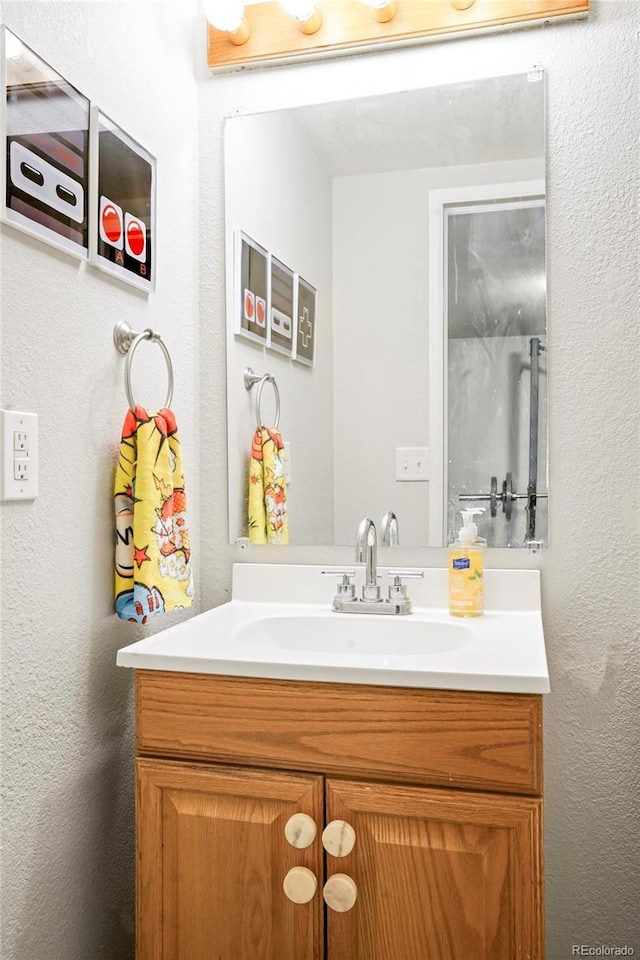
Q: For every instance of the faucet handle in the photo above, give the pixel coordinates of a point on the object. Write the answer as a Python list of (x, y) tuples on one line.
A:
[(406, 574), (397, 590), (346, 589)]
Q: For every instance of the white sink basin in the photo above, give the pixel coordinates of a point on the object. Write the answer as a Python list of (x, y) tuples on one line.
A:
[(280, 625), (355, 635)]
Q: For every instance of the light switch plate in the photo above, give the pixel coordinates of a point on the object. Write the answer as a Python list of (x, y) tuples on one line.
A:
[(19, 446), (412, 464)]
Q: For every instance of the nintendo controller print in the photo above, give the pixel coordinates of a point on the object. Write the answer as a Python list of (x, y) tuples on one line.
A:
[(124, 237), (45, 129), (306, 323), (252, 286), (281, 312)]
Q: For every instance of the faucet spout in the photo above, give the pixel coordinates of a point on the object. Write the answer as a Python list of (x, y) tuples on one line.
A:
[(367, 553), (389, 530), (345, 600)]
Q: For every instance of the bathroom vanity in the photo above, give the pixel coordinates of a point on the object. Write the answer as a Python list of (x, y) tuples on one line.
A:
[(421, 829)]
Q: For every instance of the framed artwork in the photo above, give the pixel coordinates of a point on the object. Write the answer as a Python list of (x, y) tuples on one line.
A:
[(44, 126), (281, 308), (251, 286), (123, 196), (306, 312)]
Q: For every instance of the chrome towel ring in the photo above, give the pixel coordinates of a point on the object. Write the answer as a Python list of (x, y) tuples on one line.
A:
[(126, 341), (250, 379)]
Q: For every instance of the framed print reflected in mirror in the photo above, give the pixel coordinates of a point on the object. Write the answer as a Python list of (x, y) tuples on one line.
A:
[(306, 313), (251, 288), (281, 307)]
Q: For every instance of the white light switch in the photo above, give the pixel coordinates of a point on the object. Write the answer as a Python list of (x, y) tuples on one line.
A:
[(412, 463), (19, 444)]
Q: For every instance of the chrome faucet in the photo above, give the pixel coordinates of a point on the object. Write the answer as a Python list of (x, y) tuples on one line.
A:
[(389, 530), (367, 553), (345, 600)]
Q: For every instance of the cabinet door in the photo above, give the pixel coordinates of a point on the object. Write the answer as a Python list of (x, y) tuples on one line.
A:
[(211, 860), (440, 875)]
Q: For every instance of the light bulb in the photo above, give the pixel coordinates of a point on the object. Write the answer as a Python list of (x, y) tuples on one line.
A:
[(384, 10), (300, 9), (306, 13), (228, 16), (224, 14)]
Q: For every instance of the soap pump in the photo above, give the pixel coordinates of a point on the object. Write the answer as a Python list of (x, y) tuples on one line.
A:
[(466, 568)]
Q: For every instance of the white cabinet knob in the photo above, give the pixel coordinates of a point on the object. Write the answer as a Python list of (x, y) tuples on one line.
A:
[(340, 892), (300, 830), (338, 838), (300, 884)]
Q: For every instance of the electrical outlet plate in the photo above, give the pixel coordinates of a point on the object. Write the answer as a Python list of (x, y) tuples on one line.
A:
[(19, 446)]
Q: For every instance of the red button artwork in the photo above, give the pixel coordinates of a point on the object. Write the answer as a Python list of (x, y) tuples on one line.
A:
[(249, 305), (135, 237), (261, 312), (111, 223)]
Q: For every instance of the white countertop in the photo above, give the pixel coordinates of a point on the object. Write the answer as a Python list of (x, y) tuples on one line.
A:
[(279, 625)]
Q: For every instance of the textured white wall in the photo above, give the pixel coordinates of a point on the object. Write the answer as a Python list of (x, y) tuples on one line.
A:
[(590, 586), (67, 730)]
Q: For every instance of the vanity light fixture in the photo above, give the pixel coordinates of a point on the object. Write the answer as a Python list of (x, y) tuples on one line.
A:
[(384, 10), (305, 12), (228, 16), (349, 26)]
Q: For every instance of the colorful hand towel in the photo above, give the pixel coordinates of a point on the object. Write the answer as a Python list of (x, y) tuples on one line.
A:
[(153, 554), (268, 488)]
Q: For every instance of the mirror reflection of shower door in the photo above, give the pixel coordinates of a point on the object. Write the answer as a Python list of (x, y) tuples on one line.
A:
[(495, 305)]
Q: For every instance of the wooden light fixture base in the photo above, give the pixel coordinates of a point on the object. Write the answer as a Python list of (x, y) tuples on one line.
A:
[(348, 25)]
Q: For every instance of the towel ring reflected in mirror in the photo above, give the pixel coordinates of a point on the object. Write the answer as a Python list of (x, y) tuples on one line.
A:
[(126, 341), (250, 379)]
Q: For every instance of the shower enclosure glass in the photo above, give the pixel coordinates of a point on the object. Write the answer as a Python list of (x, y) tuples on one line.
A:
[(496, 368)]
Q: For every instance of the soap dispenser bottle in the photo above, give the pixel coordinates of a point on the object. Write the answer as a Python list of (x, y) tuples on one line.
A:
[(466, 569)]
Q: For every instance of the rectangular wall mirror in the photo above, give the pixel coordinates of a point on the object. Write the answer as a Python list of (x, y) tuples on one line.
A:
[(385, 263)]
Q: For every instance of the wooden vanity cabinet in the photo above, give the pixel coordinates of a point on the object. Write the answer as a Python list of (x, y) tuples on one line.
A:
[(442, 788), (211, 857), (441, 875)]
